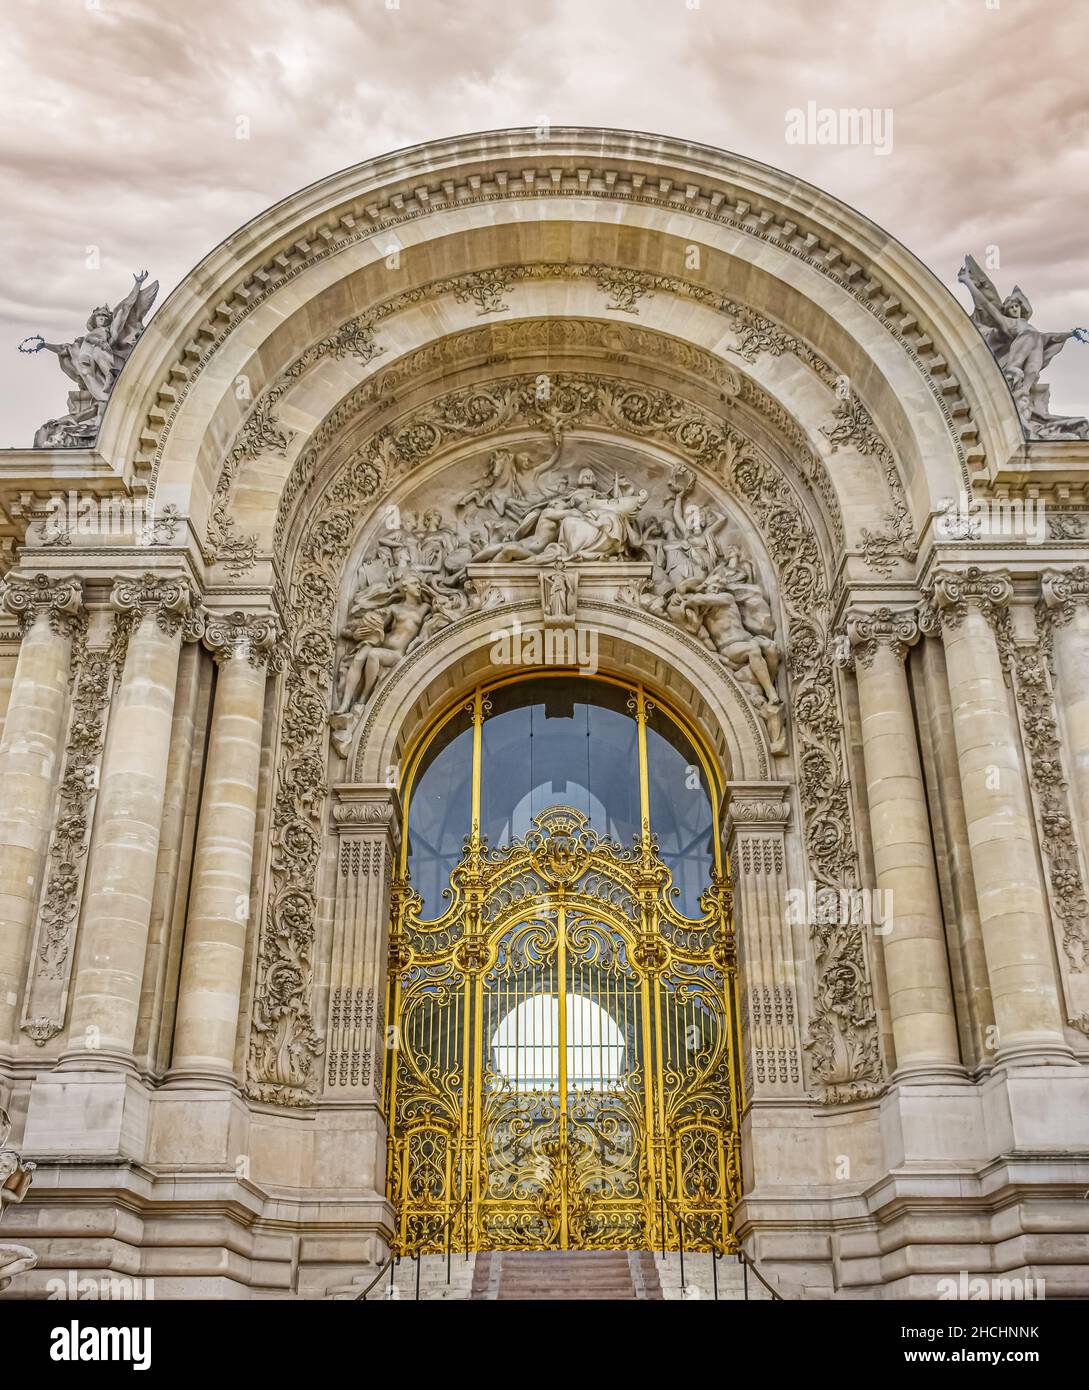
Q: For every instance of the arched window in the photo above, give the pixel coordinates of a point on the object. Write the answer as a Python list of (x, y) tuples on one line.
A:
[(597, 745)]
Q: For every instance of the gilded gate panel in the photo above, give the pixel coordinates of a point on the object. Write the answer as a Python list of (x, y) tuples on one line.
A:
[(563, 1071)]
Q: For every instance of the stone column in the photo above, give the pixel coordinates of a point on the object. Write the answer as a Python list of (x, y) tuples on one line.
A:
[(49, 610), (1066, 598), (1013, 913), (911, 929), (125, 842), (754, 823), (368, 826), (219, 907)]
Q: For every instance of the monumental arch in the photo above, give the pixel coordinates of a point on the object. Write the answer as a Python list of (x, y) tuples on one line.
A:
[(528, 755)]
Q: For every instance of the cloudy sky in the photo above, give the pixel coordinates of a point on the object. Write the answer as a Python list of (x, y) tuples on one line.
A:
[(120, 121)]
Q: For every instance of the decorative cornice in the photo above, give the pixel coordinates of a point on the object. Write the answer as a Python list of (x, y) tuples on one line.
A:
[(59, 598), (952, 593), (865, 630), (1063, 590), (254, 637), (718, 200)]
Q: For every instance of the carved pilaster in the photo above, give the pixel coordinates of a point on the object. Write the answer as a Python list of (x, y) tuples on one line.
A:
[(53, 947), (911, 934), (754, 826), (52, 622), (368, 827)]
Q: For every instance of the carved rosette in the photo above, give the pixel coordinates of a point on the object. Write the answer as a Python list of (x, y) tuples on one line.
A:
[(253, 637), (1063, 590), (953, 592), (59, 598), (865, 631)]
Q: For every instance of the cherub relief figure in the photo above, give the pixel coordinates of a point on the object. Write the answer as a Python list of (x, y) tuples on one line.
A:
[(1022, 352)]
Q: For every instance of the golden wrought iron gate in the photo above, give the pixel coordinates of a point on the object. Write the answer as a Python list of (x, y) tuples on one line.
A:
[(563, 1070)]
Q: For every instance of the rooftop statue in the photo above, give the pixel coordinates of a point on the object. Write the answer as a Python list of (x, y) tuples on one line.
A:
[(94, 362), (1022, 352)]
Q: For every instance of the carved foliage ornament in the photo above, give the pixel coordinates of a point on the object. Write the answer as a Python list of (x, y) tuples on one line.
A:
[(1028, 666)]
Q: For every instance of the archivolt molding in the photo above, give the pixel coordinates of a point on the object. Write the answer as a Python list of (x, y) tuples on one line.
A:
[(851, 426), (558, 175), (843, 1041), (376, 740)]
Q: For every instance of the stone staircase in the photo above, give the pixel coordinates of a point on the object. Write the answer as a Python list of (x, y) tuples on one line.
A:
[(574, 1275)]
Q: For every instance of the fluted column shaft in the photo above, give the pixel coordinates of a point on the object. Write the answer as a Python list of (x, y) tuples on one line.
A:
[(125, 843), (215, 935), (1012, 902), (368, 826), (29, 750), (913, 940)]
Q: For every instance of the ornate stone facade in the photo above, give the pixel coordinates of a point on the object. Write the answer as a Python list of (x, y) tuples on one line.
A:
[(544, 422)]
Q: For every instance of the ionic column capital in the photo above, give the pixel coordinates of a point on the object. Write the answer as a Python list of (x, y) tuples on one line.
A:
[(254, 637), (170, 598), (952, 592), (59, 597), (866, 629), (1063, 590)]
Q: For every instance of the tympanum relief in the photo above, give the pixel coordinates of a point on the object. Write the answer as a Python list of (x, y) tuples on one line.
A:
[(551, 507)]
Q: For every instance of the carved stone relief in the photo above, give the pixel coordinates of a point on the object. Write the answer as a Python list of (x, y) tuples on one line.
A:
[(843, 1034), (563, 509), (853, 425)]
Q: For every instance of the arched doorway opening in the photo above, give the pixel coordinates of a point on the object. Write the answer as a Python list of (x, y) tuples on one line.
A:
[(563, 1071)]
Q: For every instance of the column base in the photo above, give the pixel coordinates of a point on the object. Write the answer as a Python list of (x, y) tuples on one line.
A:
[(1056, 1054), (199, 1077), (938, 1073)]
